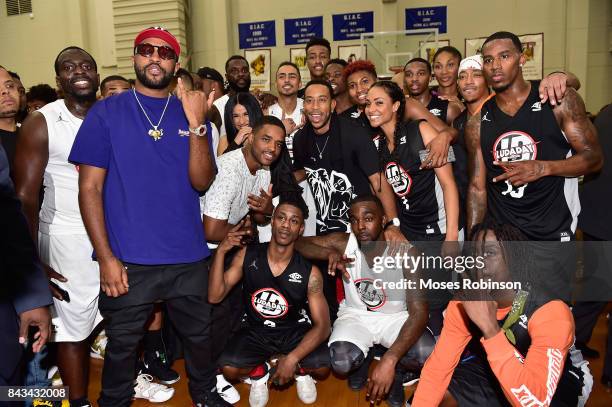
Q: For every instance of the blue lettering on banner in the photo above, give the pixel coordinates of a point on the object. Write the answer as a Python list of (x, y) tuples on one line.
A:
[(300, 30), (258, 34), (350, 26), (426, 17)]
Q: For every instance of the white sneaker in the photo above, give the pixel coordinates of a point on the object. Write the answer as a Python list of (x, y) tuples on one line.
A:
[(306, 389), (226, 390), (258, 396), (147, 389)]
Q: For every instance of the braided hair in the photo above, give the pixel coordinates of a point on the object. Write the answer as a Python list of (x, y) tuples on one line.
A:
[(396, 95)]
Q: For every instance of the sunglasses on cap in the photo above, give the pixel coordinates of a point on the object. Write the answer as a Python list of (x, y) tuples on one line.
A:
[(146, 50)]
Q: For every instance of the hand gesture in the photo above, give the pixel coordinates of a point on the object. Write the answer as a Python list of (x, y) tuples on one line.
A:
[(338, 261), (438, 151), (195, 104), (242, 135), (289, 124), (521, 172), (57, 276), (40, 318), (285, 370), (552, 88), (380, 381), (235, 237), (113, 277), (262, 203)]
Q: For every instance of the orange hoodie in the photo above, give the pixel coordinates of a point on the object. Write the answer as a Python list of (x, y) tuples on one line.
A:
[(526, 381)]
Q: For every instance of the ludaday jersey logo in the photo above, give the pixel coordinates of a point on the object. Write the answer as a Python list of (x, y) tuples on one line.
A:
[(269, 303), (372, 297), (514, 146), (399, 178)]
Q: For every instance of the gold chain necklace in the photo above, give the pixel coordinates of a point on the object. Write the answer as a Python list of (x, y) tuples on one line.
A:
[(154, 132)]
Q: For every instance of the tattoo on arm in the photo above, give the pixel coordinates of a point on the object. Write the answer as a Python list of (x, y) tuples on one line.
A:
[(315, 284), (476, 196), (581, 135)]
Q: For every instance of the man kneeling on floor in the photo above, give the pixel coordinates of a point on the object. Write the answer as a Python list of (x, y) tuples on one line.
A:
[(278, 286), (372, 314)]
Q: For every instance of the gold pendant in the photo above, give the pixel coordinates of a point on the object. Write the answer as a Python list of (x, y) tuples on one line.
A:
[(156, 134)]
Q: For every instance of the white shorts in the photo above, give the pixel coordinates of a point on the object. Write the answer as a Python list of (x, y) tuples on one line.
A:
[(70, 256), (366, 328)]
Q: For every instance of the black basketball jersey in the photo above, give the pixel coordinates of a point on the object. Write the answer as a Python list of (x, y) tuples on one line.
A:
[(274, 302), (420, 202), (438, 107), (546, 209)]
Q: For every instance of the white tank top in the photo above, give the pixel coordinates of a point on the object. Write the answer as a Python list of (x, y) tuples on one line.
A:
[(364, 291), (59, 214), (276, 111)]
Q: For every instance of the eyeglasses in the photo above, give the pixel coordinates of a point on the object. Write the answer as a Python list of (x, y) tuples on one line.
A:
[(146, 50)]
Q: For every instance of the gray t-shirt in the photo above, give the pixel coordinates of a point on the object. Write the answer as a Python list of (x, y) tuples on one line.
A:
[(227, 196)]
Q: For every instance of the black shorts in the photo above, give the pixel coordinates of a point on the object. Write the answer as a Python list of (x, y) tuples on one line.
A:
[(251, 347)]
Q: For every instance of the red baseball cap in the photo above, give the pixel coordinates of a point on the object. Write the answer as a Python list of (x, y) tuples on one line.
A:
[(162, 34)]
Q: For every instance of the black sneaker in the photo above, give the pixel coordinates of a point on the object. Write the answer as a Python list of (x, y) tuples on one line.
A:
[(409, 378), (156, 365), (396, 396), (212, 399), (359, 377)]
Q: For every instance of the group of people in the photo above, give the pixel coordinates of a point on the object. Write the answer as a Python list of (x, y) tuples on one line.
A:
[(248, 226)]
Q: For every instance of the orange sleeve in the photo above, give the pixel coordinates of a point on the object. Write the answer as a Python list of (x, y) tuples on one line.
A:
[(533, 381), (438, 369)]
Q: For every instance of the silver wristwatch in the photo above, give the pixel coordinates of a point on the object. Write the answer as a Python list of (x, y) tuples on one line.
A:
[(199, 131)]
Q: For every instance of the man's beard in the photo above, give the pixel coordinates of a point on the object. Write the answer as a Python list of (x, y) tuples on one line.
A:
[(8, 114), (236, 88), (161, 83)]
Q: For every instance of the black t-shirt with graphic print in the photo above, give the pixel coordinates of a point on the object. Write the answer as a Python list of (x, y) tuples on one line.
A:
[(337, 166)]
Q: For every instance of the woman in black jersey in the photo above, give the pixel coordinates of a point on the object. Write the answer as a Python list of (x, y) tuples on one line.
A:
[(427, 199)]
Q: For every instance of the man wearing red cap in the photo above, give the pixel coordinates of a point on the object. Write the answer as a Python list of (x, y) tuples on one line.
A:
[(144, 155)]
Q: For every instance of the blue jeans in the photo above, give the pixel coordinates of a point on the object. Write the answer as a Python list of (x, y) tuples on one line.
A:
[(37, 366)]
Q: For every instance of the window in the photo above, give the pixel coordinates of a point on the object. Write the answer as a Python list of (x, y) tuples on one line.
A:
[(15, 7)]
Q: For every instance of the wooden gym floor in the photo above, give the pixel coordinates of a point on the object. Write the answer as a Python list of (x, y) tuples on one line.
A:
[(333, 392)]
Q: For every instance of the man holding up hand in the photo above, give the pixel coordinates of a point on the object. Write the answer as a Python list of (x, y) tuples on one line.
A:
[(143, 157)]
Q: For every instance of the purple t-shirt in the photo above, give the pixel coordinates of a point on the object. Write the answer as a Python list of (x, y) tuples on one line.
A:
[(151, 211)]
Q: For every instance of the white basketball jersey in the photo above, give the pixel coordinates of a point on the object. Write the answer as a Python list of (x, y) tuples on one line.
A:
[(365, 290), (60, 213), (276, 111)]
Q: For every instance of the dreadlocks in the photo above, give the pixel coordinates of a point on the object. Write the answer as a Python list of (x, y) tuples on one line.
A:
[(513, 246)]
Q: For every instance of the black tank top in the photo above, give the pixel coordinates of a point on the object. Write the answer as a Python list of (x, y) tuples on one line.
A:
[(547, 208), (419, 198), (438, 107), (274, 302)]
